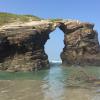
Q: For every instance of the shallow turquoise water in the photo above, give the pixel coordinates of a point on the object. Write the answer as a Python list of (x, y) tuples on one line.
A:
[(56, 71), (56, 83)]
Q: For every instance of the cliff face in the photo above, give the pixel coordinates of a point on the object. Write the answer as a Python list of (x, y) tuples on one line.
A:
[(22, 45), (81, 44)]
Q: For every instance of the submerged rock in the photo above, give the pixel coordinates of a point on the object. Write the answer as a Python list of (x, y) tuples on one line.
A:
[(22, 45)]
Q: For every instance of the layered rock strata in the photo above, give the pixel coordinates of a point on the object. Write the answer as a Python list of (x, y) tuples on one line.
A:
[(81, 44), (22, 45)]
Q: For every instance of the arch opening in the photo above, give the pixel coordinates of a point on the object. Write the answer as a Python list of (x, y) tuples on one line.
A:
[(55, 45)]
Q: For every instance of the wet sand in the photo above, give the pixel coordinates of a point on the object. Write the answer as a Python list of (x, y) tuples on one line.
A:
[(51, 84), (42, 90)]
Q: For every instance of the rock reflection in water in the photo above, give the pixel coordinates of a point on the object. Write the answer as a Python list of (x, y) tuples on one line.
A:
[(49, 86), (54, 87)]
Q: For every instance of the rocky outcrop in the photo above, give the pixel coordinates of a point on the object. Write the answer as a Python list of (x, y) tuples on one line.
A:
[(81, 44), (22, 45)]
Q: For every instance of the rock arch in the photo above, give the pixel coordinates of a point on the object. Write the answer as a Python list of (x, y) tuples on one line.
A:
[(55, 45), (22, 45)]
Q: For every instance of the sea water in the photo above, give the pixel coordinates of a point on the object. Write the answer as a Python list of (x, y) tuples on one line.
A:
[(56, 83)]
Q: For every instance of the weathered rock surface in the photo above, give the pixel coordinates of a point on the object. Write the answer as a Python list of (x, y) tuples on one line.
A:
[(22, 45), (81, 44)]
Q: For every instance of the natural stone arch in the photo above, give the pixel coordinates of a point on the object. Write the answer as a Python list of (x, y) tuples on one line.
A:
[(55, 45), (22, 46)]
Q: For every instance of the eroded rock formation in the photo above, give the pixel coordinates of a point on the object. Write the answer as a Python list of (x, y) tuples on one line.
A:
[(81, 44), (22, 45)]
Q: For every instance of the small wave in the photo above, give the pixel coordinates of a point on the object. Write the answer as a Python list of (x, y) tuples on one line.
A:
[(56, 61)]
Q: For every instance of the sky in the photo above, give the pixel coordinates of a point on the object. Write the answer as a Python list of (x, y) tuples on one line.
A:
[(83, 10)]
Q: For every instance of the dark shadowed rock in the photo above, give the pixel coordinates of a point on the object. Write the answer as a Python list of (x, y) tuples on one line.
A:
[(22, 47)]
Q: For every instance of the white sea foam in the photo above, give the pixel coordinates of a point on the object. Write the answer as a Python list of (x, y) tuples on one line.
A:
[(56, 61)]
